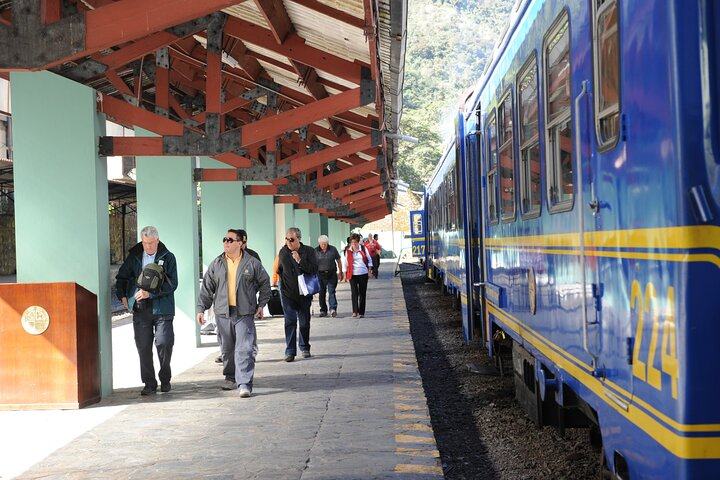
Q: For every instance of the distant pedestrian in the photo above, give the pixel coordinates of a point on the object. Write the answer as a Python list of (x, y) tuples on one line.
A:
[(295, 259), (374, 248), (329, 273), (238, 287), (153, 313), (358, 266)]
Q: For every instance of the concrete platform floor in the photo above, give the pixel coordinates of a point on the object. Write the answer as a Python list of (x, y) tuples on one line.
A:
[(355, 410)]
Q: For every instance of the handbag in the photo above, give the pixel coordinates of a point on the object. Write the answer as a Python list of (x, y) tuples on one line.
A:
[(308, 283)]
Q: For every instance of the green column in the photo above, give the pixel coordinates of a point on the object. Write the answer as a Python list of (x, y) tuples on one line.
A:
[(222, 206), (260, 225), (302, 221), (314, 220), (324, 225), (61, 194), (167, 199)]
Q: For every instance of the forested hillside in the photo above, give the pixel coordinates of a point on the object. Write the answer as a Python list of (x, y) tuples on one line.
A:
[(448, 44)]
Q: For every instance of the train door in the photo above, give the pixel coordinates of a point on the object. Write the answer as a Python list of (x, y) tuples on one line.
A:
[(597, 126), (476, 280), (461, 211)]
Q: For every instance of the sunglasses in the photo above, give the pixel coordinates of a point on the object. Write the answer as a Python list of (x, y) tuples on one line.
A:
[(291, 240), (230, 240)]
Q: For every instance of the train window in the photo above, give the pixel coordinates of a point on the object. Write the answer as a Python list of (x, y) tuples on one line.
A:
[(491, 168), (451, 200), (607, 71), (507, 159), (529, 140), (558, 123)]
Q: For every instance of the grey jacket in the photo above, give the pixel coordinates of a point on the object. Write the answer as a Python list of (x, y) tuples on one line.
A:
[(251, 279)]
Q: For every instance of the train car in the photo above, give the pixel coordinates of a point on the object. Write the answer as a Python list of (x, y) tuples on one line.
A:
[(587, 180)]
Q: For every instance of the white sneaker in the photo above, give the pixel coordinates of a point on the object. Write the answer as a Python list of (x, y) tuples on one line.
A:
[(245, 392)]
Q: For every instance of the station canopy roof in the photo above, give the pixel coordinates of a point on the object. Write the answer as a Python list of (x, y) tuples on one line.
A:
[(298, 93)]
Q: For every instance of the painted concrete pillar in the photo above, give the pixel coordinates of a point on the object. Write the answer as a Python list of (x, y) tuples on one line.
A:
[(312, 238), (260, 225), (222, 206), (324, 227), (302, 221), (61, 194), (167, 199)]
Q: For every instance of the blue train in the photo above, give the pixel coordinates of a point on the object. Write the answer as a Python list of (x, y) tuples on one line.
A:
[(574, 218)]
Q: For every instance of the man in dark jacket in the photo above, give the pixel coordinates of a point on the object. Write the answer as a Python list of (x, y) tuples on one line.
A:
[(293, 259), (153, 313)]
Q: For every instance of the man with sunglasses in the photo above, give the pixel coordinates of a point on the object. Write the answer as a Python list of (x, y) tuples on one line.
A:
[(294, 259), (238, 287)]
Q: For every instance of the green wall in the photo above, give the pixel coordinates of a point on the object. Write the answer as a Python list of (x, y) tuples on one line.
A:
[(302, 221), (61, 195), (312, 238)]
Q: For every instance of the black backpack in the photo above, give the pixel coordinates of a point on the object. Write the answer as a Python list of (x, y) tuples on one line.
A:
[(152, 277)]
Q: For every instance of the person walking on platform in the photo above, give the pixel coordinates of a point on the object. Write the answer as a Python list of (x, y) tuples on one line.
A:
[(153, 313), (358, 266), (329, 273), (295, 259), (374, 248), (238, 287), (219, 358)]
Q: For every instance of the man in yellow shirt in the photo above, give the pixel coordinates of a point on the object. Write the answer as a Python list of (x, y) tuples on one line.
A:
[(231, 284)]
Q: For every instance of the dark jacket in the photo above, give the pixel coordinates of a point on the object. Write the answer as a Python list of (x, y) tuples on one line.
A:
[(125, 286), (251, 280), (288, 269)]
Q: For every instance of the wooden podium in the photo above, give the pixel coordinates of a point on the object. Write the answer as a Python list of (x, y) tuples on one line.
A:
[(49, 351)]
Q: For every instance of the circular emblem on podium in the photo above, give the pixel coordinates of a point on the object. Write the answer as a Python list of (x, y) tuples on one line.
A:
[(532, 290), (35, 320)]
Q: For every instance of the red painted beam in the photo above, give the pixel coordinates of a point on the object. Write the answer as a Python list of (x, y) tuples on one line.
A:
[(50, 11), (287, 199), (137, 146), (129, 20), (261, 190), (292, 119), (130, 115), (331, 12), (162, 88), (219, 175), (307, 162), (372, 192), (368, 206), (277, 17), (341, 176), (213, 87), (118, 83), (294, 48), (356, 187), (233, 159)]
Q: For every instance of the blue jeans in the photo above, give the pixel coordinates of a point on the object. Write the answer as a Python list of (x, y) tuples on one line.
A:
[(328, 285), (296, 312)]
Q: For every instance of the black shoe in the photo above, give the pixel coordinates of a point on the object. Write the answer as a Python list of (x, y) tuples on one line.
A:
[(289, 358), (323, 314), (148, 391), (165, 387), (219, 359), (306, 354)]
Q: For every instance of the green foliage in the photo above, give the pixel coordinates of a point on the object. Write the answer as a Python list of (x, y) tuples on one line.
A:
[(448, 44)]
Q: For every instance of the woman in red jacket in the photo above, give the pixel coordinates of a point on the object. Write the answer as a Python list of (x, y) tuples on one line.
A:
[(359, 264)]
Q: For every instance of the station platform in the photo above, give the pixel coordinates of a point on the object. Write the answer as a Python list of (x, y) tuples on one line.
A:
[(355, 410)]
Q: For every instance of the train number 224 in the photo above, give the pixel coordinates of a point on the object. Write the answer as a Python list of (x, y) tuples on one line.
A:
[(646, 308)]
